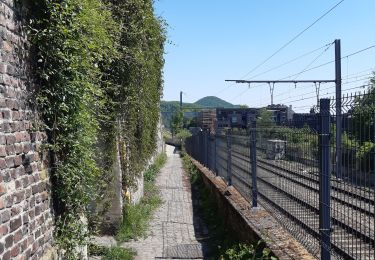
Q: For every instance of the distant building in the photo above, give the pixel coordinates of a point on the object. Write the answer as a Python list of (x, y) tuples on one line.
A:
[(235, 117), (305, 119), (207, 119), (281, 114)]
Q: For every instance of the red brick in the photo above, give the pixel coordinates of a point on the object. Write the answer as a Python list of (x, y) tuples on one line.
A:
[(32, 213), (18, 148), (3, 190), (6, 114), (3, 152), (11, 139), (35, 188), (5, 216), (9, 201), (19, 137), (15, 223), (24, 245), (19, 196), (34, 247), (26, 147), (6, 256), (17, 236), (15, 115), (3, 164), (4, 230), (15, 251), (17, 160), (10, 161), (16, 210), (9, 241), (10, 149), (3, 139)]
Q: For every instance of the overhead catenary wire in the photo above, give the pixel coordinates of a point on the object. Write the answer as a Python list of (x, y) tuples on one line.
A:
[(317, 57), (358, 78), (330, 93), (277, 67), (288, 100), (290, 61), (318, 66), (326, 46), (332, 61), (313, 68), (293, 39)]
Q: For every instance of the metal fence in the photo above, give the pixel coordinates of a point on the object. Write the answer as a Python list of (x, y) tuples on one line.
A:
[(317, 181)]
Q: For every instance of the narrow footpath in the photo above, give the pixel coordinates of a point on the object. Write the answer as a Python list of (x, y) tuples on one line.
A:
[(174, 232)]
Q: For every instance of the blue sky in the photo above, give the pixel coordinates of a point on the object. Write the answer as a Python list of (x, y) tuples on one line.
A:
[(214, 40)]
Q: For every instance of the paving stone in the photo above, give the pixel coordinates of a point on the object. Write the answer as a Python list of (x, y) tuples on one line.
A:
[(172, 233)]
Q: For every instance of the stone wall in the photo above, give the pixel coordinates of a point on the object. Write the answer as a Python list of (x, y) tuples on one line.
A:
[(137, 193), (113, 216), (26, 219)]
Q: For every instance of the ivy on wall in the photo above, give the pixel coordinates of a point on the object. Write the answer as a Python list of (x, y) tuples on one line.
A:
[(97, 68), (137, 73)]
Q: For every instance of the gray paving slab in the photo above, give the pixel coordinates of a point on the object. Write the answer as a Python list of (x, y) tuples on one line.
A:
[(171, 234)]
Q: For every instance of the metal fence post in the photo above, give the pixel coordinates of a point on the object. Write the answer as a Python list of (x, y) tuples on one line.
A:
[(324, 180), (338, 110), (215, 154), (373, 155), (201, 147), (253, 158), (205, 155), (198, 158), (196, 152), (229, 159)]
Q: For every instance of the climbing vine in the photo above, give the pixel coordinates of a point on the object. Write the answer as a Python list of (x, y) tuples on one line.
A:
[(137, 73), (70, 44), (97, 70)]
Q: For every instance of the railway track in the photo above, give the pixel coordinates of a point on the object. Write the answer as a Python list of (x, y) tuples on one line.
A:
[(295, 196), (357, 201)]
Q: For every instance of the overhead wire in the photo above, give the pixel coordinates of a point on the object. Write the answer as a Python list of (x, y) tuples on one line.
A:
[(276, 67), (316, 58), (290, 61), (313, 92), (327, 46), (311, 97), (358, 78), (318, 66), (293, 39)]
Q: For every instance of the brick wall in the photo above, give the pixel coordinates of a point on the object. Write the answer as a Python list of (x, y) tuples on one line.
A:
[(26, 221)]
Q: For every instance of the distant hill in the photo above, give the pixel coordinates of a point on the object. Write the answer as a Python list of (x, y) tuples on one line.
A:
[(212, 101), (168, 108)]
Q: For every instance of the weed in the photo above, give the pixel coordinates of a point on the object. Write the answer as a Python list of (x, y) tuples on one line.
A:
[(136, 218), (112, 253), (119, 253), (227, 246)]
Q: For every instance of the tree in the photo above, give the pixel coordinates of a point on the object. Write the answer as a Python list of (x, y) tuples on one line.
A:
[(177, 122), (265, 118), (364, 114)]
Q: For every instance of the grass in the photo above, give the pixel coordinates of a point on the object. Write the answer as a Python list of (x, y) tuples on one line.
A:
[(224, 242), (136, 218), (112, 253), (118, 253)]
